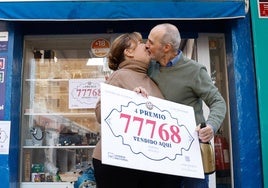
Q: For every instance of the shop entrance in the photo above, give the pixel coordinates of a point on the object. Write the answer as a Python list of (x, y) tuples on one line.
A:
[(50, 62), (209, 49), (211, 52)]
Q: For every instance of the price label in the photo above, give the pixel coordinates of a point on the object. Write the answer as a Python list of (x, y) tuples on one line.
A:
[(148, 131)]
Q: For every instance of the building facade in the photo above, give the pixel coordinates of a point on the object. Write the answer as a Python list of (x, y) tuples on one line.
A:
[(222, 35)]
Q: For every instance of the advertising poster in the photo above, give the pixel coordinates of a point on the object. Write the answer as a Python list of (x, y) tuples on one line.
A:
[(3, 41), (84, 93), (263, 8), (2, 85), (100, 47), (4, 137), (149, 134)]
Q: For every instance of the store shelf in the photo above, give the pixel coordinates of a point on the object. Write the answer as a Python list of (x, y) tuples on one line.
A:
[(58, 147), (58, 130), (46, 184), (77, 114), (47, 80)]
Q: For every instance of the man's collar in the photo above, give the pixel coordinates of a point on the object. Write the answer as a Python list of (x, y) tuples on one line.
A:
[(174, 60)]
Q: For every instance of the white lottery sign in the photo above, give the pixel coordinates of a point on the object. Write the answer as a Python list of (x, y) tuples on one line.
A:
[(84, 93), (149, 134)]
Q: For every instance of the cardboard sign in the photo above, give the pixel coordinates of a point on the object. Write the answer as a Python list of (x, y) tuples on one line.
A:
[(148, 134)]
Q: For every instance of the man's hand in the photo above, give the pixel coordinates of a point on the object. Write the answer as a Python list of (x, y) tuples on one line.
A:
[(205, 134)]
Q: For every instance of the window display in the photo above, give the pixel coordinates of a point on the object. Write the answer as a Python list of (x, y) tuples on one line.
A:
[(61, 85)]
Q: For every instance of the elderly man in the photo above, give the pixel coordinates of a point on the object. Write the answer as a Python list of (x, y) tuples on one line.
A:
[(184, 81)]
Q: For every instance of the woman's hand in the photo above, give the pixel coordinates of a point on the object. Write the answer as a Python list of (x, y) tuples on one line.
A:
[(142, 91)]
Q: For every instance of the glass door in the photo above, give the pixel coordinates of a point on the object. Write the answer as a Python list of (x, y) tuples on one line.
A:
[(211, 52)]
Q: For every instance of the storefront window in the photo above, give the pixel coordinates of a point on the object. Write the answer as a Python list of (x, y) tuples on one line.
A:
[(61, 85)]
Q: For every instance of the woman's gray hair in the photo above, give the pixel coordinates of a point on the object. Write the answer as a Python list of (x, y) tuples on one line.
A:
[(171, 36)]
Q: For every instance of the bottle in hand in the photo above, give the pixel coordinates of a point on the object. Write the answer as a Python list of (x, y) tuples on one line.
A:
[(207, 153)]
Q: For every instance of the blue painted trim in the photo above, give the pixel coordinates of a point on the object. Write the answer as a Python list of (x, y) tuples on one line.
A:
[(9, 164), (4, 159), (244, 111), (16, 93), (121, 10)]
